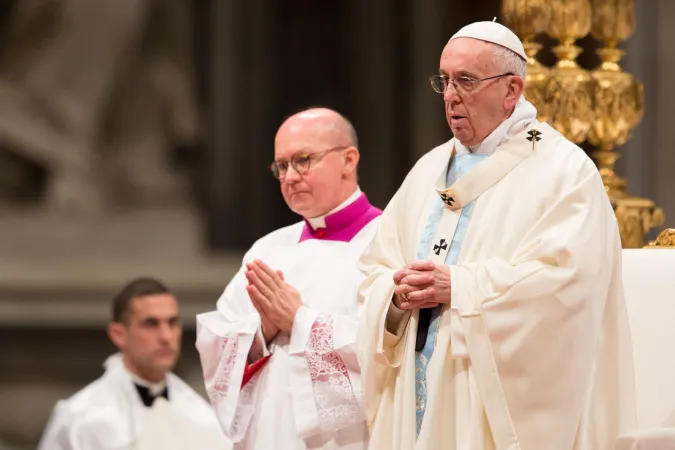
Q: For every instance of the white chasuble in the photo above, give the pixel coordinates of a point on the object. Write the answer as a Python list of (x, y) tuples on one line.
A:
[(307, 395), (533, 352)]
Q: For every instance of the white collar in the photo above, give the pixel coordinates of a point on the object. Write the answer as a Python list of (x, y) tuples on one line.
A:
[(116, 362), (523, 113), (320, 221)]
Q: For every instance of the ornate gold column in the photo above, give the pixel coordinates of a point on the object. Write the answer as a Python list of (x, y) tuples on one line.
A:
[(618, 100), (602, 106), (570, 86), (528, 18)]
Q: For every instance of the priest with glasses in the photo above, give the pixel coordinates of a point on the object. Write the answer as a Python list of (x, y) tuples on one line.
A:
[(278, 354)]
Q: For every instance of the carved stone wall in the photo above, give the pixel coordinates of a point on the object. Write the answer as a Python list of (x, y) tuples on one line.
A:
[(96, 97)]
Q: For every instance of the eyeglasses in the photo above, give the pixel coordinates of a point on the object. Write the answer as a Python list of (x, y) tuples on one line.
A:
[(439, 83), (301, 162)]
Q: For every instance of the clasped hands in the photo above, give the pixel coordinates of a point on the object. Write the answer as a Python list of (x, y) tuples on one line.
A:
[(276, 301), (422, 284)]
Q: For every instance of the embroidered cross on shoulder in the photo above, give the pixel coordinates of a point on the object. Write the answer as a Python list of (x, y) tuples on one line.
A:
[(535, 135)]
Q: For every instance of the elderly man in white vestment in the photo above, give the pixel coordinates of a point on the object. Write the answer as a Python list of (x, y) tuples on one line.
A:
[(494, 313), (138, 404), (279, 355)]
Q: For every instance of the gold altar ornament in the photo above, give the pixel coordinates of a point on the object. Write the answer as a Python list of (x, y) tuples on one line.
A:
[(618, 96), (666, 239), (570, 87), (528, 18), (602, 106), (618, 102)]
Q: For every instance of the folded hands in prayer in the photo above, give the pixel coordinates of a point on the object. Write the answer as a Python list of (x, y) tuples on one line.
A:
[(275, 300), (422, 284)]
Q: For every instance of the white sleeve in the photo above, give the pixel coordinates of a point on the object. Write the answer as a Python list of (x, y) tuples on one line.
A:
[(396, 320), (56, 435), (258, 348), (67, 430), (325, 374), (227, 340)]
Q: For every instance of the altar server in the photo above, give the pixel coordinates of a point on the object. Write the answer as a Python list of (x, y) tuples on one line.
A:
[(138, 404)]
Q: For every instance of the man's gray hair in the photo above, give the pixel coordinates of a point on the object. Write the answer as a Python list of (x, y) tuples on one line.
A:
[(509, 61)]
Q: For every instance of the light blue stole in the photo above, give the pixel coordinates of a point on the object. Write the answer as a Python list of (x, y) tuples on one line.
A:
[(458, 166)]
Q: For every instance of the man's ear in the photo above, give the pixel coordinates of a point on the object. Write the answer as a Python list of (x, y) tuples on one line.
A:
[(515, 89), (117, 333), (352, 157)]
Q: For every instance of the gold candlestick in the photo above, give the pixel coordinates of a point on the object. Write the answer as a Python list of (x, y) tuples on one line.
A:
[(603, 106), (618, 100), (528, 18), (570, 87)]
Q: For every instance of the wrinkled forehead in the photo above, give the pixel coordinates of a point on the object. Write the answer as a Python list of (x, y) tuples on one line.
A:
[(308, 136), (468, 55)]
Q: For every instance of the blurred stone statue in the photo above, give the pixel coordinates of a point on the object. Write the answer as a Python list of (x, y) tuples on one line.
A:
[(96, 94)]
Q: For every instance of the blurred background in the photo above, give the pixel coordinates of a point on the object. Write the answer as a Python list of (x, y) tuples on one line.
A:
[(136, 135)]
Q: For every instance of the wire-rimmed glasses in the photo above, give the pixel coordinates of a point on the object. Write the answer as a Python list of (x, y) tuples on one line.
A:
[(463, 84)]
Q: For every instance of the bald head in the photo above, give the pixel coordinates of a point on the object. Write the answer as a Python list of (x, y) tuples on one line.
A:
[(323, 121), (317, 151)]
